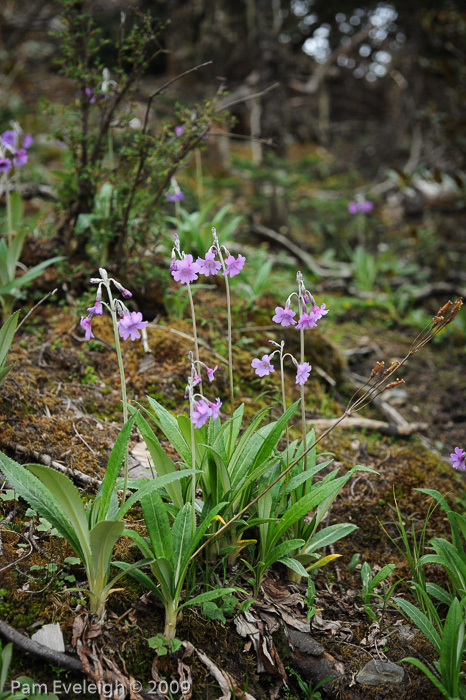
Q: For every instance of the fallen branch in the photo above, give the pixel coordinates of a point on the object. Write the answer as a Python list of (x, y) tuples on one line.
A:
[(340, 270), (49, 462), (29, 646), (369, 423)]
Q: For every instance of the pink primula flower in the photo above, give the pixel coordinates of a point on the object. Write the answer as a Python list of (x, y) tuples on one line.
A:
[(215, 408), (234, 267), (306, 321), (209, 266), (130, 325), (319, 311), (186, 270), (96, 309), (85, 324), (20, 158), (262, 367), (9, 138), (458, 458), (201, 413), (28, 141), (303, 372), (211, 372), (284, 316)]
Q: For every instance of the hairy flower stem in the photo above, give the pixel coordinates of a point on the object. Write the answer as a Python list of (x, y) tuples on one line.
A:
[(230, 346), (193, 466), (193, 316), (9, 217), (303, 407), (218, 247), (123, 388)]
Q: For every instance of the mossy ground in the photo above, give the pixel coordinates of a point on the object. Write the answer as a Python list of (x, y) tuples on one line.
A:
[(62, 399)]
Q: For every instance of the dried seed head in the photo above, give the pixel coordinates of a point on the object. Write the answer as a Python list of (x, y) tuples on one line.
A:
[(444, 308), (377, 368), (437, 319), (397, 382), (456, 307), (392, 367)]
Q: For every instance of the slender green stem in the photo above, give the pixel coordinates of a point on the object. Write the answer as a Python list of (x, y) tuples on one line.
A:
[(230, 346), (303, 406), (9, 216), (193, 316), (123, 390), (193, 467), (282, 377)]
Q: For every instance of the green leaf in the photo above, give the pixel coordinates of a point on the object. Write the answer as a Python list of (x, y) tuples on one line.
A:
[(140, 576), (328, 536), (162, 463), (115, 461), (4, 372), (66, 493), (451, 648), (39, 497), (204, 524), (282, 550), (299, 509), (303, 476), (294, 565), (155, 485), (439, 593), (421, 621), (181, 537), (7, 332), (381, 575), (13, 254), (28, 276), (17, 209), (212, 611), (169, 425), (158, 526), (208, 595), (7, 653), (103, 537), (276, 431)]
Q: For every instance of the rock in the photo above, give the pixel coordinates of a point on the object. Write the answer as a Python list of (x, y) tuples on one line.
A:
[(50, 636), (379, 672)]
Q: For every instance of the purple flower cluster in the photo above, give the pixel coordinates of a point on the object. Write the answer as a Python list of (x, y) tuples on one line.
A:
[(129, 324), (363, 205), (186, 270), (310, 313), (265, 367), (203, 410), (13, 149), (308, 319), (458, 458)]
